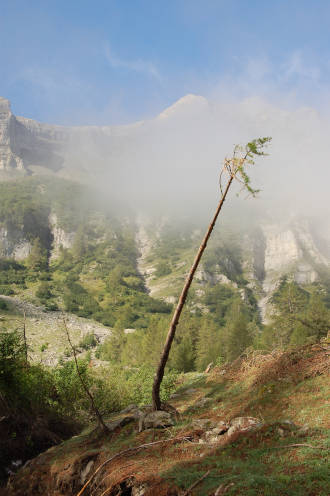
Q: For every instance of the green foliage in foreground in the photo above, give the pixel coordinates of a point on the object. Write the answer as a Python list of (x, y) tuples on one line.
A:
[(23, 386), (57, 392)]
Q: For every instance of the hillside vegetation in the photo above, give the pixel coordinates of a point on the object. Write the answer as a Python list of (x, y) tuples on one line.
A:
[(284, 395), (88, 268)]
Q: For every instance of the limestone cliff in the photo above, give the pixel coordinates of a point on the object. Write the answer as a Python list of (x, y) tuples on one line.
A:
[(291, 249), (296, 248), (13, 244), (61, 238), (9, 158), (24, 142)]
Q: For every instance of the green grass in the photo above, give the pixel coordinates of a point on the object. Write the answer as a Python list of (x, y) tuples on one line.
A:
[(256, 469)]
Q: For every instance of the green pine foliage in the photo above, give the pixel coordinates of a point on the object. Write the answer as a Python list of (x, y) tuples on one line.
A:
[(236, 336), (208, 344), (3, 304), (300, 316), (224, 257), (218, 299), (12, 273)]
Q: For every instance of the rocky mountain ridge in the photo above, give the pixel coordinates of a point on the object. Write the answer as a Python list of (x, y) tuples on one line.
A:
[(26, 143), (273, 248)]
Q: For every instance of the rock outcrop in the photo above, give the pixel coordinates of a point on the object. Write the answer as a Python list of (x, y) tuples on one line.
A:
[(291, 250), (26, 145), (24, 142), (294, 248), (13, 244), (61, 238), (9, 158)]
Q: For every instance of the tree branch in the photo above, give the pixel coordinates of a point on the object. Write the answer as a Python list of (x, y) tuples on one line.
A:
[(188, 491), (84, 385)]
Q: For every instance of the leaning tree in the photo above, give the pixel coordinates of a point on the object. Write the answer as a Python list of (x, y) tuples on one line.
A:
[(234, 169)]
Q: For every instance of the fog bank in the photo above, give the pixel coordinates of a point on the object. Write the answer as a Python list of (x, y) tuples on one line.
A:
[(172, 162)]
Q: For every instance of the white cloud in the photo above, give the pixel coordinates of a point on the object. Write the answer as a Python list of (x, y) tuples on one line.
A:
[(137, 65), (296, 65), (296, 80)]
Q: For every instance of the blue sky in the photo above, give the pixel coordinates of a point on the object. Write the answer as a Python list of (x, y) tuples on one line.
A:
[(115, 61)]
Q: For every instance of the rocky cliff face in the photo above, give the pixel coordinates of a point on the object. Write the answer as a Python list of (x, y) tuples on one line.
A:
[(61, 238), (13, 244), (292, 249), (9, 158), (296, 249), (24, 142)]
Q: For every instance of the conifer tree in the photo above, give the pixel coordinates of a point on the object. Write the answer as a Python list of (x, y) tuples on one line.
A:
[(153, 339), (317, 317), (312, 323), (209, 345), (79, 246), (37, 259), (289, 302), (183, 359), (236, 336)]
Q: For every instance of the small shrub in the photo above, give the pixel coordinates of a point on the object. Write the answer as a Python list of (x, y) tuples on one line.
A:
[(163, 269), (140, 385), (88, 341), (3, 305), (43, 292), (51, 306), (6, 290)]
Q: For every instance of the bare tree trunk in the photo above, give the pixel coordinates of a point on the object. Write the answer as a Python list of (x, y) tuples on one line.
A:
[(24, 337), (85, 387), (156, 403)]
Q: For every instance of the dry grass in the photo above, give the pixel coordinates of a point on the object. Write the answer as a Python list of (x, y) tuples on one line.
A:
[(292, 385)]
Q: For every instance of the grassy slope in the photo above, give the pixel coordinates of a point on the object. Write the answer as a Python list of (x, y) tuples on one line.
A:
[(289, 386)]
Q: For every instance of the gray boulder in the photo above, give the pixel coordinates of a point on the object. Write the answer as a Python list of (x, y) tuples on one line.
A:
[(155, 420), (203, 423), (244, 424)]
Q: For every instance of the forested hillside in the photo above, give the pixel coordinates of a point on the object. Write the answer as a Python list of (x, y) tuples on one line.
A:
[(72, 258), (83, 257)]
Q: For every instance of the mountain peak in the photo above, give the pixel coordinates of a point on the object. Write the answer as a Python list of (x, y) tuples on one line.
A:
[(184, 103), (4, 105)]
